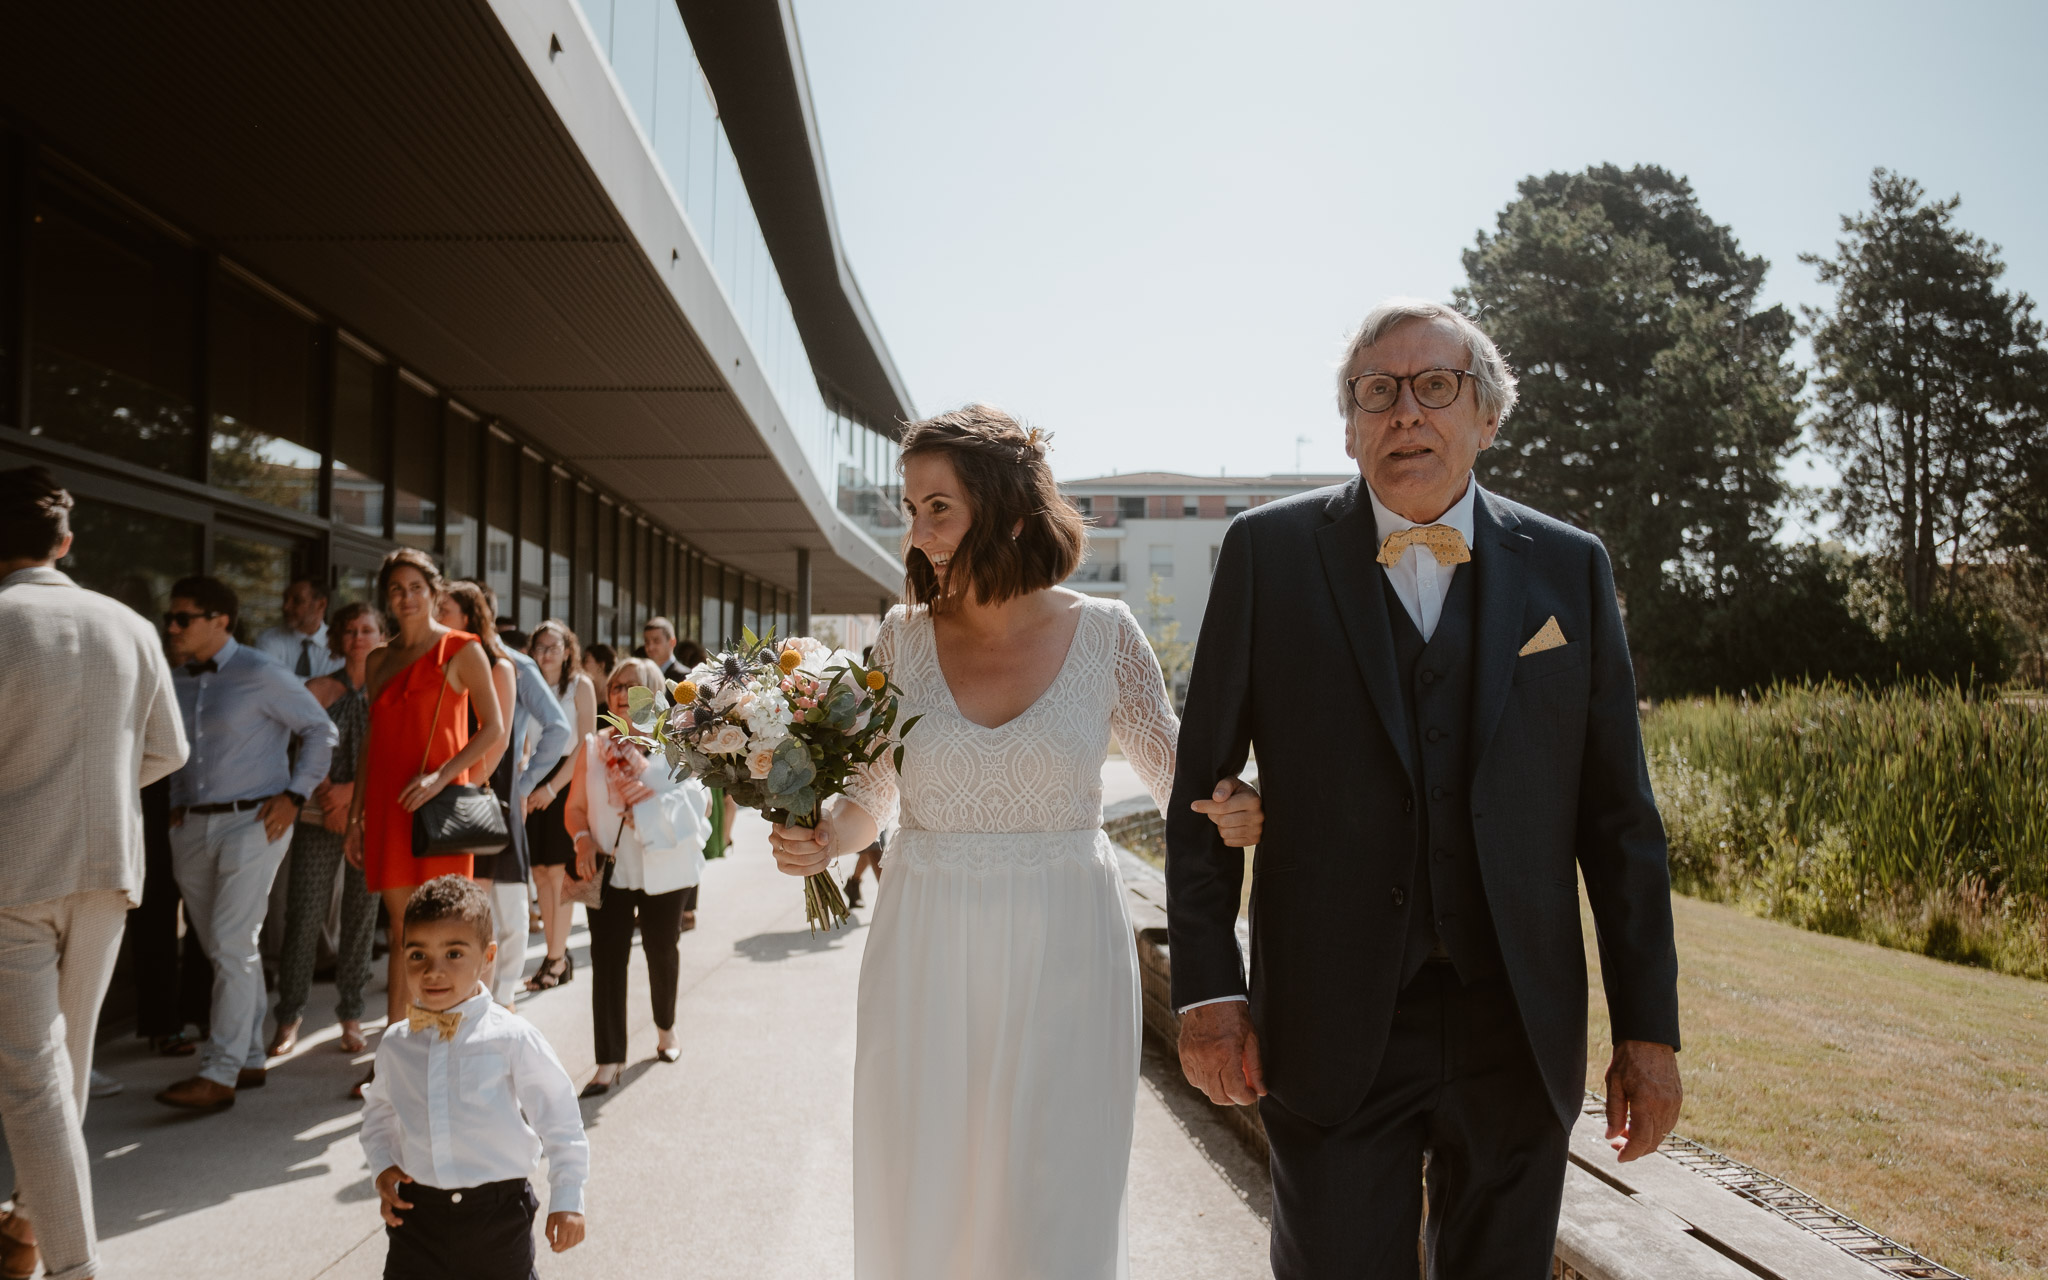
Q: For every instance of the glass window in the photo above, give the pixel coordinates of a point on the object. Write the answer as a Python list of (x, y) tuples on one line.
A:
[(461, 487), (605, 628), (259, 567), (561, 537), (416, 498), (501, 505), (1190, 508), (111, 306), (1162, 559), (710, 617), (132, 555), (533, 529), (361, 456), (1130, 508), (633, 28), (261, 359), (583, 617)]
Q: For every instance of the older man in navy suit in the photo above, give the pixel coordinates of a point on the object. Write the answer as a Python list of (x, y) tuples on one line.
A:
[(1439, 691)]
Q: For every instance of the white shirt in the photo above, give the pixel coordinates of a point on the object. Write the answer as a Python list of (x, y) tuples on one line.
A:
[(448, 1112), (1418, 579), (662, 849), (284, 644)]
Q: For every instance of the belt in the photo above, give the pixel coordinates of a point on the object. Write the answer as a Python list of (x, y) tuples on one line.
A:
[(228, 806)]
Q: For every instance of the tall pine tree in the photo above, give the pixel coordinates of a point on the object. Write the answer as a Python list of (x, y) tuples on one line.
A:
[(1657, 399), (1931, 391)]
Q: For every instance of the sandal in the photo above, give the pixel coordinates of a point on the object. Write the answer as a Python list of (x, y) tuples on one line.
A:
[(285, 1039), (352, 1039), (553, 972)]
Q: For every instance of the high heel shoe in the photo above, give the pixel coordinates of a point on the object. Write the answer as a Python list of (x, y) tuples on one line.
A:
[(553, 972)]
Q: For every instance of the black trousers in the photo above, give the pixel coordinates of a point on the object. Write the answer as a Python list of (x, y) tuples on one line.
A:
[(660, 918), (1458, 1082), (476, 1233), (171, 989)]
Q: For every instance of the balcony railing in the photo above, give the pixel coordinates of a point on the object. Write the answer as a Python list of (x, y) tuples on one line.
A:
[(1099, 573)]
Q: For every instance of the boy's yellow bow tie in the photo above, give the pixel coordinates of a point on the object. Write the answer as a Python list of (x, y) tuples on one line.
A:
[(419, 1019)]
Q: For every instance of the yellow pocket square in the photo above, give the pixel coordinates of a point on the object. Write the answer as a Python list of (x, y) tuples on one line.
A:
[(1548, 638)]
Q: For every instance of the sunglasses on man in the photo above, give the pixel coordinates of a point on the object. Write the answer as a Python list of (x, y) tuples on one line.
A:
[(179, 619)]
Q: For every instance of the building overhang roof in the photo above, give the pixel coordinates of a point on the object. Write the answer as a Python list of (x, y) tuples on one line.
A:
[(459, 183)]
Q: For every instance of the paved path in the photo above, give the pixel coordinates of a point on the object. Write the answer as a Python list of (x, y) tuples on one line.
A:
[(734, 1162)]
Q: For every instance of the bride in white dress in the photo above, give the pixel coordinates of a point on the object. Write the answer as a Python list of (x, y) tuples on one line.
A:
[(996, 1074)]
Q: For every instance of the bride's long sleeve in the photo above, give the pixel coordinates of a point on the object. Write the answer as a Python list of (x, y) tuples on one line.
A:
[(1143, 718), (873, 785)]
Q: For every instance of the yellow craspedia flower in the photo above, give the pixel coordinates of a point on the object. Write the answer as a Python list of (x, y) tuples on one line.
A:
[(876, 680), (684, 692), (790, 660)]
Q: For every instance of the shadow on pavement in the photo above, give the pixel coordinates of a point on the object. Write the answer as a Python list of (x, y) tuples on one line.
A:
[(769, 947), (1197, 1117)]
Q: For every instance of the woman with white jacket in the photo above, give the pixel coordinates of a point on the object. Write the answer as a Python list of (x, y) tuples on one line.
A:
[(623, 803)]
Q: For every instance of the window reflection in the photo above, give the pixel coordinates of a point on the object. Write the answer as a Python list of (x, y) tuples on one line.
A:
[(132, 555), (415, 507), (533, 521), (361, 461), (462, 485), (113, 345), (258, 568), (501, 503), (263, 442)]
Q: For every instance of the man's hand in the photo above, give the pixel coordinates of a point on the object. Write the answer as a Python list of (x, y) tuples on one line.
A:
[(387, 1195), (278, 814), (1219, 1053), (1643, 1097), (565, 1230), (1236, 810)]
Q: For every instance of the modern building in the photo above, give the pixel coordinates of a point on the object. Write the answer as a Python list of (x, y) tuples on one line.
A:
[(550, 288), (1159, 524)]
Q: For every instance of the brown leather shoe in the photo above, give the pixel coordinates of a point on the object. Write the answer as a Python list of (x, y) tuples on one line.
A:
[(198, 1094), (251, 1078), (17, 1256), (286, 1039)]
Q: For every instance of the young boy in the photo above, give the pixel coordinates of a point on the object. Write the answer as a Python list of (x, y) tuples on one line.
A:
[(442, 1120)]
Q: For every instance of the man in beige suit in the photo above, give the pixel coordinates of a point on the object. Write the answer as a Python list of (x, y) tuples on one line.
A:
[(70, 854)]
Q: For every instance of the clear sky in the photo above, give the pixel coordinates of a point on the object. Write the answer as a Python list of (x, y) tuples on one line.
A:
[(1146, 227)]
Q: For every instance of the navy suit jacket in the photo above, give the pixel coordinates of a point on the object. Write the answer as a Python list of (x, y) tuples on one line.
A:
[(1296, 659)]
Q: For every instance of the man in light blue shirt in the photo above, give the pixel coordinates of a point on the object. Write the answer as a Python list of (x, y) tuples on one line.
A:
[(300, 644), (260, 744)]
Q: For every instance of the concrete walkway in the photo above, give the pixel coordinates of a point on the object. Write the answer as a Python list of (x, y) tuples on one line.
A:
[(734, 1162)]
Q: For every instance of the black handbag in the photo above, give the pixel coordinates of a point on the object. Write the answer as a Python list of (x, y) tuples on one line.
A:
[(460, 818)]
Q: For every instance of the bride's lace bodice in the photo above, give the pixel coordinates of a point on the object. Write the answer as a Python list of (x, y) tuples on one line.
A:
[(1041, 771)]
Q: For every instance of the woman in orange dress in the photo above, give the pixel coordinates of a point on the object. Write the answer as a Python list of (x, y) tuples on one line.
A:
[(421, 687)]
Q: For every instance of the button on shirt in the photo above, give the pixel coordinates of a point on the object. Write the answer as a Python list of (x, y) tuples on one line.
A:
[(449, 1112), (242, 721), (290, 647), (1419, 581)]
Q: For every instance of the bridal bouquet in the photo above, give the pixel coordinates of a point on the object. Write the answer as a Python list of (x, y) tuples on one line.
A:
[(781, 727)]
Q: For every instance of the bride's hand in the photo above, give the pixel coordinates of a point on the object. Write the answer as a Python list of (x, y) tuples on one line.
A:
[(1237, 811), (804, 851)]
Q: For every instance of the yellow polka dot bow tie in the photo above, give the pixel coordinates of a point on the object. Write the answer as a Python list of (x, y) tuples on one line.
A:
[(419, 1019), (1440, 540)]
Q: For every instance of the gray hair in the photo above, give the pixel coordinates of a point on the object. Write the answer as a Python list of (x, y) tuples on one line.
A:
[(1495, 381)]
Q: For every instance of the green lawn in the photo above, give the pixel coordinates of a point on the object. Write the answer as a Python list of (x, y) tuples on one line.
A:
[(1909, 1093)]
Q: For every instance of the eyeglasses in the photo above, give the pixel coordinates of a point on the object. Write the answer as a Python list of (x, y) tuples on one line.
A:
[(1433, 388), (179, 619)]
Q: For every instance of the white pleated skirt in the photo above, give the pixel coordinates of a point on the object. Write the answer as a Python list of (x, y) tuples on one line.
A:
[(996, 1073)]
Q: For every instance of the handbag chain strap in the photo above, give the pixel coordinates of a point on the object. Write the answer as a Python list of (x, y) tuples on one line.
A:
[(435, 723)]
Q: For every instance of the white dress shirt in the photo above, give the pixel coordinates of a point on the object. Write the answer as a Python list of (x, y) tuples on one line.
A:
[(662, 849), (286, 644), (1418, 579), (448, 1112)]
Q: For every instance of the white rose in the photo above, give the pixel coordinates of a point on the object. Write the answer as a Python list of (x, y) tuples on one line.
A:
[(759, 761), (725, 740)]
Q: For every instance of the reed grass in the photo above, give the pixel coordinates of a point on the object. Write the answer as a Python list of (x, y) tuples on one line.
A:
[(1914, 816)]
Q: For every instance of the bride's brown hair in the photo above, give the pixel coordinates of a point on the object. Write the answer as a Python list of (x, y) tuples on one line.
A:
[(1002, 468)]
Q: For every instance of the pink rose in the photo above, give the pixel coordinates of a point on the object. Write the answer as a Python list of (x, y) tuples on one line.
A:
[(759, 761)]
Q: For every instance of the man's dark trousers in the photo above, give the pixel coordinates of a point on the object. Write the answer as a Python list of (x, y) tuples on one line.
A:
[(1459, 1082), (475, 1233)]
